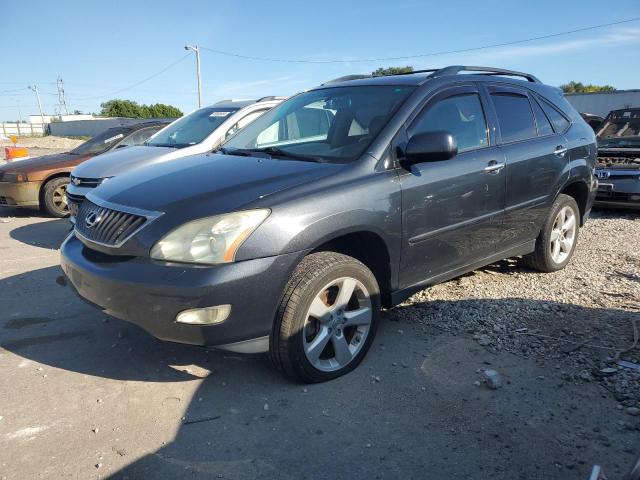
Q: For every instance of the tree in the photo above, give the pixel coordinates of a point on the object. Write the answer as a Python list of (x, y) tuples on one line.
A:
[(391, 71), (579, 87), (131, 109)]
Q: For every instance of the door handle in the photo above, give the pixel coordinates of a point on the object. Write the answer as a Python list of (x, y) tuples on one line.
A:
[(560, 151), (494, 167)]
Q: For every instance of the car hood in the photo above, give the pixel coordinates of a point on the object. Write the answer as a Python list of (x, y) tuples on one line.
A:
[(121, 160), (208, 184), (45, 162)]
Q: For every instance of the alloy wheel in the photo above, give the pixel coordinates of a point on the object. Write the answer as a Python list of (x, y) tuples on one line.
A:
[(563, 234), (337, 324)]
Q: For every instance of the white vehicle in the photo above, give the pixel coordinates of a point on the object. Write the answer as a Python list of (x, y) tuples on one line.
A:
[(200, 131)]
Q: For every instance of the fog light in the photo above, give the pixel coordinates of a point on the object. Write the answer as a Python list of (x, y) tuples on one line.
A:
[(204, 316), (634, 198)]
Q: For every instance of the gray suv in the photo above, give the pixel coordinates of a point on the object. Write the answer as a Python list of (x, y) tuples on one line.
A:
[(338, 202)]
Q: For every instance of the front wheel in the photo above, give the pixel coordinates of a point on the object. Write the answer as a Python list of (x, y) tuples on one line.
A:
[(327, 318), (559, 236), (54, 197)]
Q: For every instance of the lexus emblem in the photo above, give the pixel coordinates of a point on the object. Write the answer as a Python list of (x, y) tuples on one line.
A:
[(92, 219)]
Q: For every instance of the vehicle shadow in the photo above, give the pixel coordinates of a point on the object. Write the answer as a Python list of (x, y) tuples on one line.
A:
[(48, 234), (245, 420)]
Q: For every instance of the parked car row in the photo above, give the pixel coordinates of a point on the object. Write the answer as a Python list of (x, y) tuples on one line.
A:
[(339, 201), (199, 132), (618, 168), (41, 182)]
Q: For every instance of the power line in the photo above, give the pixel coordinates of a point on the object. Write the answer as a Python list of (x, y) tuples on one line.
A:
[(150, 77), (421, 55)]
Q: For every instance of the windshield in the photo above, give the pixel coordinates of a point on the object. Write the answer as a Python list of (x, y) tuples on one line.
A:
[(102, 142), (327, 124), (191, 129)]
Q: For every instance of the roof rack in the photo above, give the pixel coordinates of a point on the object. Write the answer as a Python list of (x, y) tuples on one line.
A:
[(455, 69)]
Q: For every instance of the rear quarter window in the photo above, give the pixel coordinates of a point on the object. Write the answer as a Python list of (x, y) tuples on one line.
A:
[(559, 122), (515, 116)]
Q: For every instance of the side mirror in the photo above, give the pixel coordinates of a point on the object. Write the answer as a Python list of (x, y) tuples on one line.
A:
[(430, 147)]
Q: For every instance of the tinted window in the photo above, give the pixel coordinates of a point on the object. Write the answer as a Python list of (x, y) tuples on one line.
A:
[(514, 116), (139, 137), (544, 126), (332, 124), (461, 116), (102, 142), (560, 124)]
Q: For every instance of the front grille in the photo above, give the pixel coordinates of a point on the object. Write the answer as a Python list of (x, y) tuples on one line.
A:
[(106, 226), (86, 182)]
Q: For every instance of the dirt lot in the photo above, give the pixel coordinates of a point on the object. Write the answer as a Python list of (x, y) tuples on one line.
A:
[(87, 396), (42, 145)]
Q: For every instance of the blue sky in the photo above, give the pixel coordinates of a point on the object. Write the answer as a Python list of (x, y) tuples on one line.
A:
[(102, 48)]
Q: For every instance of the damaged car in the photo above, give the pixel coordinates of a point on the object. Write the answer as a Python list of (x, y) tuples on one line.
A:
[(618, 167)]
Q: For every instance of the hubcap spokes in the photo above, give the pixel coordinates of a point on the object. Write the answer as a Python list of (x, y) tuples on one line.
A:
[(60, 198), (337, 324), (563, 235)]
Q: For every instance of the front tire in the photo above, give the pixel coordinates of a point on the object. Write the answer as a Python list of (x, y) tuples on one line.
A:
[(54, 197), (327, 318), (559, 236)]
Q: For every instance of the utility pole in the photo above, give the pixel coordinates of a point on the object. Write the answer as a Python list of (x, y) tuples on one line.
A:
[(62, 104), (196, 49), (34, 88)]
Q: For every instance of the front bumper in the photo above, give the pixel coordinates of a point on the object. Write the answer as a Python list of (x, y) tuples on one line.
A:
[(151, 293), (24, 194)]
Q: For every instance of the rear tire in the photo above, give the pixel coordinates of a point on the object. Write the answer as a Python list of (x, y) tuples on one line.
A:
[(54, 197), (327, 318), (558, 238)]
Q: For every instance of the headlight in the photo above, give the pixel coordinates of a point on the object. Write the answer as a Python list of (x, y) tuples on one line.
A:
[(14, 177), (209, 240)]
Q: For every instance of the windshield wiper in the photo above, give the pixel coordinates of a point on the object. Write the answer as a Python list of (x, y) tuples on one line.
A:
[(268, 151), (170, 145)]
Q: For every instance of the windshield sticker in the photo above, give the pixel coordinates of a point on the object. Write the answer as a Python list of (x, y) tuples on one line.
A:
[(219, 114), (115, 137)]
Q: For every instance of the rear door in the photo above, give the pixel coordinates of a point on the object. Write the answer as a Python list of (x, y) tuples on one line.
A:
[(451, 208), (536, 157)]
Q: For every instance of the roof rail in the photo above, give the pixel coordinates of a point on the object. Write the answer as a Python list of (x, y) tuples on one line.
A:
[(455, 69)]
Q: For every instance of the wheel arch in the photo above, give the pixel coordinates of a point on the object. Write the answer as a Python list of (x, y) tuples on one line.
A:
[(369, 248), (53, 176), (580, 193)]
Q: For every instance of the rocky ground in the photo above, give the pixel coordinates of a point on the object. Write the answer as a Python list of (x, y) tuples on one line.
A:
[(586, 318), (501, 374), (39, 146)]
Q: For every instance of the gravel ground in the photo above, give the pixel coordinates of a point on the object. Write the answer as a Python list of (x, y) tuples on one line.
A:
[(39, 146), (83, 395), (585, 317)]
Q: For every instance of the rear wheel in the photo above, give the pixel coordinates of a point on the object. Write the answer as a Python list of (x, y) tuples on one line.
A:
[(54, 197), (327, 318), (559, 236)]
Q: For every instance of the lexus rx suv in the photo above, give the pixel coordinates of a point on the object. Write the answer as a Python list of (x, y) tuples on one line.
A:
[(338, 202)]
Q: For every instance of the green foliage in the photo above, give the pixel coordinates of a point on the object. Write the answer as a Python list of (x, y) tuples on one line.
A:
[(579, 87), (131, 109), (391, 71)]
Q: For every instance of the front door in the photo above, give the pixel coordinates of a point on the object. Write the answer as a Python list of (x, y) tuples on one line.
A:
[(451, 209)]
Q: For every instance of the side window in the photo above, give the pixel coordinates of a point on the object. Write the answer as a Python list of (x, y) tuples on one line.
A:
[(139, 137), (243, 122), (460, 115), (544, 126), (308, 123), (514, 116), (560, 124)]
